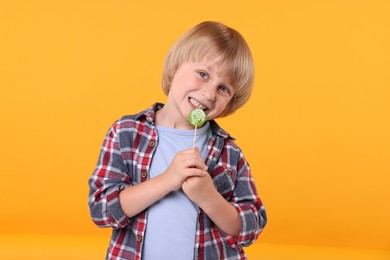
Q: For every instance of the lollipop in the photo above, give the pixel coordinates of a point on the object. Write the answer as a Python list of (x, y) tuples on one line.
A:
[(197, 118)]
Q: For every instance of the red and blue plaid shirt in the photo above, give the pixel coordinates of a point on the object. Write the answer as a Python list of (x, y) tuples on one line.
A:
[(125, 159)]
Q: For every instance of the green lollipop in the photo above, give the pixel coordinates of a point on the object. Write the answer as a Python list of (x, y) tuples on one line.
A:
[(197, 117)]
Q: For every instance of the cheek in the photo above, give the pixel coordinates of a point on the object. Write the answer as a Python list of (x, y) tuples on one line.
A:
[(225, 102), (220, 107), (224, 105)]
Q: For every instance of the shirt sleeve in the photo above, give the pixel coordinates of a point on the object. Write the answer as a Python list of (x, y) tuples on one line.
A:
[(106, 182), (248, 204)]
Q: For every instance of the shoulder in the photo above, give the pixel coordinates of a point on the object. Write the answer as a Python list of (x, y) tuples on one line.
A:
[(219, 133), (139, 121), (127, 123), (225, 144)]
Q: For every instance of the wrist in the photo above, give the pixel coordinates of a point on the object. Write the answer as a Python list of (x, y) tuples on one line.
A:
[(165, 181)]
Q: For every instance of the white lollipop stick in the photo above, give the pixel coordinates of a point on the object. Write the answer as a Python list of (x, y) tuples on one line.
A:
[(193, 144)]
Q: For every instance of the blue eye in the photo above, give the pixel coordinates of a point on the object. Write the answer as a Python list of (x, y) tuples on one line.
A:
[(224, 88), (203, 75)]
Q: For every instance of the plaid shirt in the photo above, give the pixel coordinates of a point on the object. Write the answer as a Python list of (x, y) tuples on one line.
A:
[(125, 160)]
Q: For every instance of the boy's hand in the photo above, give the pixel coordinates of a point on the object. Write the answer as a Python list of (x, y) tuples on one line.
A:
[(200, 189), (185, 164)]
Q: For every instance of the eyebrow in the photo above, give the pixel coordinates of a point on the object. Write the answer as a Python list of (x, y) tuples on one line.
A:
[(225, 73)]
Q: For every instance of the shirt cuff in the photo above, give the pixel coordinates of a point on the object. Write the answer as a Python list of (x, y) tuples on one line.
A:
[(115, 214)]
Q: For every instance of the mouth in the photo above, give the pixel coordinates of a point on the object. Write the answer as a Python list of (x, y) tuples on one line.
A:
[(197, 104)]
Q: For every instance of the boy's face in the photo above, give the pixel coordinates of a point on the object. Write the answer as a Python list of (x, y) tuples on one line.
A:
[(201, 85)]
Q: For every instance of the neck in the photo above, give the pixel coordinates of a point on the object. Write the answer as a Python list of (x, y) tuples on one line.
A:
[(167, 119)]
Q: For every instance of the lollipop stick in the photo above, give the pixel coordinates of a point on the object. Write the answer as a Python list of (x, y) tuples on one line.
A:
[(193, 144)]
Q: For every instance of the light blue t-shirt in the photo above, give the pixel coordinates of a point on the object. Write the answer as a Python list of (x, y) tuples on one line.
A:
[(171, 222)]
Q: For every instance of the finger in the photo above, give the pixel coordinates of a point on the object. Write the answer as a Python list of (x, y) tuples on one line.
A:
[(186, 151), (188, 155), (195, 162), (195, 172), (190, 151)]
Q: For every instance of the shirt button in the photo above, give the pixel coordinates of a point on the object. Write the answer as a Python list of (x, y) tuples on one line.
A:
[(144, 174), (228, 171), (139, 238), (151, 143)]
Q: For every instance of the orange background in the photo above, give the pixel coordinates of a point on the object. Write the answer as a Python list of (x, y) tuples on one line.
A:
[(316, 130)]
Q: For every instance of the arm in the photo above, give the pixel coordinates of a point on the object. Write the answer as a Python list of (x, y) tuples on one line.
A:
[(106, 182), (203, 192), (112, 198), (238, 212), (247, 202)]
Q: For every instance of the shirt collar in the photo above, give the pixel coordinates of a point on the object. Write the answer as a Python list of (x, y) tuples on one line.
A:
[(217, 130), (150, 115)]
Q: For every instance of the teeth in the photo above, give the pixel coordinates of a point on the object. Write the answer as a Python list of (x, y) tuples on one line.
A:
[(197, 104)]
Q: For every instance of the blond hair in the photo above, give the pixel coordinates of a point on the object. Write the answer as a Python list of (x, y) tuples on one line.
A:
[(213, 38)]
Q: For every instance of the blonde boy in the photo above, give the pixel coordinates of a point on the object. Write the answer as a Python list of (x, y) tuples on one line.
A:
[(163, 198)]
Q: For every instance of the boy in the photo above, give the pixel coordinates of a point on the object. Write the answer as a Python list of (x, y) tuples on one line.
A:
[(163, 198)]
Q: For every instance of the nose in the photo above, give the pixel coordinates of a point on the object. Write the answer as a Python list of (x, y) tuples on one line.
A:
[(208, 91)]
